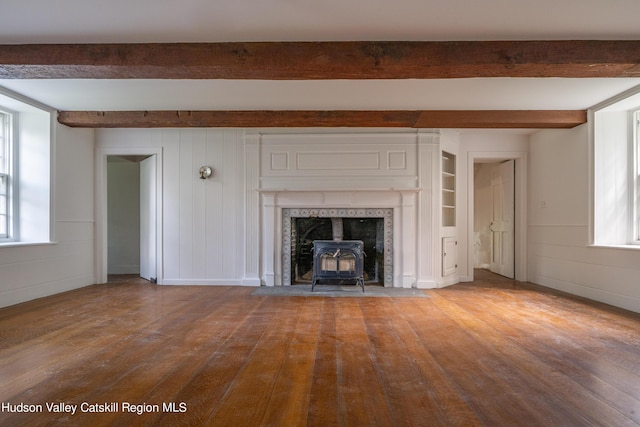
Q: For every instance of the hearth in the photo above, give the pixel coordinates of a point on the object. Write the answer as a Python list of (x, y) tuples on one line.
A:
[(338, 262)]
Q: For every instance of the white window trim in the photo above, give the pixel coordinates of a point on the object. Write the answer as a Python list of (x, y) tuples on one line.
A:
[(12, 173), (4, 176), (635, 179)]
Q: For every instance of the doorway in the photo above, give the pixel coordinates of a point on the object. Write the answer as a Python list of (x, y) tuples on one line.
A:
[(131, 239), (494, 217), (129, 213), (131, 216), (486, 249)]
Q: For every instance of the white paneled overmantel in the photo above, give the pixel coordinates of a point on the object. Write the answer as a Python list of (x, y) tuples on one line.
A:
[(368, 171), (338, 160)]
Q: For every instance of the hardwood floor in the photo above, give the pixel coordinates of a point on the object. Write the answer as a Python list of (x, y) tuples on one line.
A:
[(493, 352)]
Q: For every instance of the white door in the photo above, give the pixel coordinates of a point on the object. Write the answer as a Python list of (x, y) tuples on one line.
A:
[(503, 215), (148, 218)]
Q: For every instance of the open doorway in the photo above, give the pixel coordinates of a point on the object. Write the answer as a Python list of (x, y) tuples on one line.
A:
[(480, 245), (131, 207), (494, 217), (152, 226)]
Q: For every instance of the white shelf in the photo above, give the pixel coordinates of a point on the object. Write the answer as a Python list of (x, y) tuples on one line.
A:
[(448, 187)]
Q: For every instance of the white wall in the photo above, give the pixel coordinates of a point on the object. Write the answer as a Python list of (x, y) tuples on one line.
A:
[(38, 270), (559, 252), (203, 220), (214, 231)]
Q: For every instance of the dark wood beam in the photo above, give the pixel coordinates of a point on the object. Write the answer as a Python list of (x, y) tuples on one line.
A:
[(323, 60), (501, 119), (245, 119), (338, 118)]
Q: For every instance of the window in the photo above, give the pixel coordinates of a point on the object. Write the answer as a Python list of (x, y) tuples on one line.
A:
[(26, 144), (615, 182), (6, 150)]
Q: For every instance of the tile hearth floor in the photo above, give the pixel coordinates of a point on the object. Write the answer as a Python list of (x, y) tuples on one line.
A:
[(322, 290)]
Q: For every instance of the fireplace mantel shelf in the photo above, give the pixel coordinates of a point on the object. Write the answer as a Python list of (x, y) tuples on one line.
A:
[(337, 190)]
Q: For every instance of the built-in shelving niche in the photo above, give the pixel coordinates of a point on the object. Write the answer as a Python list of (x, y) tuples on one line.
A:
[(448, 189)]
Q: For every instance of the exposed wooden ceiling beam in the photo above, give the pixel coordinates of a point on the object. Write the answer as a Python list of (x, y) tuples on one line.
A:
[(502, 119), (323, 60), (495, 119)]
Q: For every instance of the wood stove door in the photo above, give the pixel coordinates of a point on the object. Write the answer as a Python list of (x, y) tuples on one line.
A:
[(341, 266), (328, 266)]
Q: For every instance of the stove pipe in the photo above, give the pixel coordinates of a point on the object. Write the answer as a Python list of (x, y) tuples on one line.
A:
[(336, 229)]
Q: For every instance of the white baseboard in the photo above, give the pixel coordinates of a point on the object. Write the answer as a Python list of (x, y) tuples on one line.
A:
[(426, 284), (201, 282)]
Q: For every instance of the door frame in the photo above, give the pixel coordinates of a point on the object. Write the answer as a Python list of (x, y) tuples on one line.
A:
[(101, 229), (520, 218)]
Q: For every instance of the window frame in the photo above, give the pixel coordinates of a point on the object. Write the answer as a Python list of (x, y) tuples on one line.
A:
[(9, 162), (635, 178)]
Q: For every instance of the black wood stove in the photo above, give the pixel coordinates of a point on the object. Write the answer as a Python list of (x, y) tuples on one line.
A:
[(338, 262)]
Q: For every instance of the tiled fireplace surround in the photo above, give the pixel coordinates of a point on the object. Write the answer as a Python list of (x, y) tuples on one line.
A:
[(288, 215)]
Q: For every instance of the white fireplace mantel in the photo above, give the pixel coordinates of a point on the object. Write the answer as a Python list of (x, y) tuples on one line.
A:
[(365, 169)]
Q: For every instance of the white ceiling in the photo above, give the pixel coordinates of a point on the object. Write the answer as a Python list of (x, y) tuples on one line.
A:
[(121, 21), (75, 21), (460, 94)]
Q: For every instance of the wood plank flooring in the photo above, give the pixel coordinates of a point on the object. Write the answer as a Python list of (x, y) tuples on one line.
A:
[(494, 352)]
